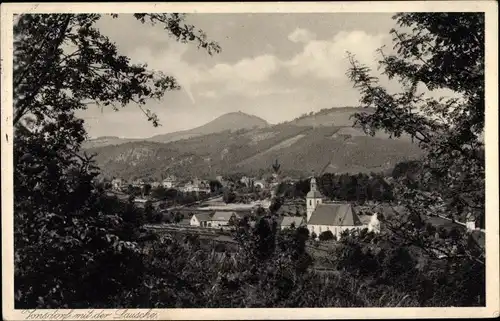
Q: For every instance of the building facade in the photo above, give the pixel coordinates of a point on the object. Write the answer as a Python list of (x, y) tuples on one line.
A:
[(333, 217)]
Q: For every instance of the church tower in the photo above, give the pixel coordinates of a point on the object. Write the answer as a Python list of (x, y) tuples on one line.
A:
[(313, 198)]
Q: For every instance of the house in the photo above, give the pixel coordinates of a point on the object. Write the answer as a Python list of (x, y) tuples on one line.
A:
[(334, 217), (222, 218), (261, 184), (117, 184), (247, 181), (187, 188), (169, 182), (138, 183), (196, 185), (140, 202), (289, 221), (470, 222), (204, 187), (201, 219)]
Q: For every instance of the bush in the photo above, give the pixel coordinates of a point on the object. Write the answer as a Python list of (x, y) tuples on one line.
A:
[(326, 235)]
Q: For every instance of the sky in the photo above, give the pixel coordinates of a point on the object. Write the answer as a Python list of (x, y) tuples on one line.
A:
[(274, 66)]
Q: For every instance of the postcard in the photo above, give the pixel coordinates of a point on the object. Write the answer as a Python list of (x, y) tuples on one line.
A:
[(274, 160)]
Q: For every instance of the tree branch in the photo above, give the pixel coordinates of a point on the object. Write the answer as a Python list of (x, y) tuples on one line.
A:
[(24, 107)]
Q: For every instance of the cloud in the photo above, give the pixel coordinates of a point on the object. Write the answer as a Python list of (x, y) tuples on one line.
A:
[(255, 69), (248, 77), (247, 74), (301, 35), (170, 61), (254, 76), (327, 59)]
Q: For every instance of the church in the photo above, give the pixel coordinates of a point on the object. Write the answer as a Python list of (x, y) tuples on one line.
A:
[(327, 216)]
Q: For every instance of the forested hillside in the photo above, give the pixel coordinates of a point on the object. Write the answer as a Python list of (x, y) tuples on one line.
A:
[(301, 149)]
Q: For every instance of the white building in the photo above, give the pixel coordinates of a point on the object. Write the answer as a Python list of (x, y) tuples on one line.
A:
[(169, 182), (214, 220), (374, 224), (200, 219), (261, 184), (470, 223), (334, 217), (117, 184)]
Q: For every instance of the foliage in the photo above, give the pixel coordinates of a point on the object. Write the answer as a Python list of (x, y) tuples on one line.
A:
[(398, 264), (66, 230), (147, 189), (276, 204), (276, 166), (326, 235), (345, 187), (452, 178), (228, 196), (75, 247), (215, 186)]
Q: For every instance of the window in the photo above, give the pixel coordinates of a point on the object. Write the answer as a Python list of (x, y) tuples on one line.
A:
[(310, 202)]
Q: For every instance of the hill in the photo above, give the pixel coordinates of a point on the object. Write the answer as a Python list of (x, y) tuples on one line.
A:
[(336, 116), (299, 148), (105, 141), (227, 122)]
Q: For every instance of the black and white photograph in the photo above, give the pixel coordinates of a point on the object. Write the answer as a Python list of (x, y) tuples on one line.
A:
[(157, 159)]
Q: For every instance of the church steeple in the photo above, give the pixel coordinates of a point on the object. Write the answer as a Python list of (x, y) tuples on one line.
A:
[(313, 198), (313, 184)]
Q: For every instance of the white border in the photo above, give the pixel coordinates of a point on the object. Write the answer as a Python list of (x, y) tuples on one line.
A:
[(491, 139)]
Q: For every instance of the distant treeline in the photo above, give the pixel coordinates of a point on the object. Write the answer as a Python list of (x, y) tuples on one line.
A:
[(359, 187), (345, 187)]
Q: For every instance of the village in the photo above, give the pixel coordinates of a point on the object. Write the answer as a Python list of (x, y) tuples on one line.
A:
[(218, 205)]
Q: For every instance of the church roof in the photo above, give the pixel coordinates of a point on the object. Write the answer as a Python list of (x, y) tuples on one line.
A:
[(314, 194), (334, 215)]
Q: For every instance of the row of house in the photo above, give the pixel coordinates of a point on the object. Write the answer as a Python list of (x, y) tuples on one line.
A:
[(195, 185)]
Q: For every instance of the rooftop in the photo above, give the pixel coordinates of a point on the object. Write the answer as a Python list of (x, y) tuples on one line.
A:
[(288, 220), (223, 216), (334, 214), (203, 216)]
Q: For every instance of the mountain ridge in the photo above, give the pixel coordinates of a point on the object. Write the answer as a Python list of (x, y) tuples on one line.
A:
[(299, 148), (230, 121)]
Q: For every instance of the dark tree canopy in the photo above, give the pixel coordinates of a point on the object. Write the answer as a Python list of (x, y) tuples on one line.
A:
[(65, 229), (446, 51)]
